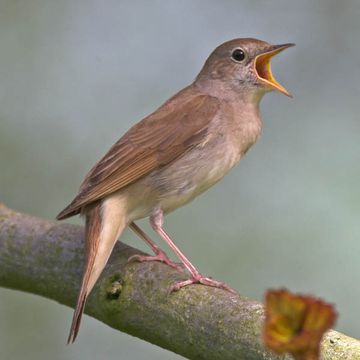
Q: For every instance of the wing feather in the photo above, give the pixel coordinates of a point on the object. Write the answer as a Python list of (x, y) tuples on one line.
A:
[(160, 138)]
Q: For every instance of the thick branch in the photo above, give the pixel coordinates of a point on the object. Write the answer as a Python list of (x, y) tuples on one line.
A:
[(46, 258)]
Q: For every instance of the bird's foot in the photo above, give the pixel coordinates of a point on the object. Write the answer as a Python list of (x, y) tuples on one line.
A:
[(199, 279), (160, 256)]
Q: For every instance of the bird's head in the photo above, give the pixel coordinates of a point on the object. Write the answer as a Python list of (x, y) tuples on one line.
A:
[(245, 64)]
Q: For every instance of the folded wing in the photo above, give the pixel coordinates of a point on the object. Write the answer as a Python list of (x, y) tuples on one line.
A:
[(179, 125)]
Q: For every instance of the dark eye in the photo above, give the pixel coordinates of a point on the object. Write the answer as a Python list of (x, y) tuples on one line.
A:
[(238, 55)]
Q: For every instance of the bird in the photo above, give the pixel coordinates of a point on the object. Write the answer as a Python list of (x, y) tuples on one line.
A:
[(171, 156)]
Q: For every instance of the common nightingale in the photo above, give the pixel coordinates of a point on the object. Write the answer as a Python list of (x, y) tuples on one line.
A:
[(173, 155)]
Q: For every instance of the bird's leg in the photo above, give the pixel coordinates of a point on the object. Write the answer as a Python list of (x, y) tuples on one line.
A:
[(156, 221), (160, 255)]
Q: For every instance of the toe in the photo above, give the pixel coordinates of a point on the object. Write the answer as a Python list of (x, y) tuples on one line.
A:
[(204, 281), (135, 257)]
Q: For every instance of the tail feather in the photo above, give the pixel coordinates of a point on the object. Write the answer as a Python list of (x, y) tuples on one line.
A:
[(101, 233), (76, 321)]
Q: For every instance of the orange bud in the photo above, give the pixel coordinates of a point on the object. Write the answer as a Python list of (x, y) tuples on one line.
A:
[(295, 324)]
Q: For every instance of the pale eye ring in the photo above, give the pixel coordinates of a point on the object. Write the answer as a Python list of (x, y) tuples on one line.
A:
[(238, 55)]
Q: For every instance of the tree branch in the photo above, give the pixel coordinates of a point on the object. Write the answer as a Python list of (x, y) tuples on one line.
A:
[(198, 322)]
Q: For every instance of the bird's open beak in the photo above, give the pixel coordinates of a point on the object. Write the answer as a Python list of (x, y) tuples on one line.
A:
[(263, 67)]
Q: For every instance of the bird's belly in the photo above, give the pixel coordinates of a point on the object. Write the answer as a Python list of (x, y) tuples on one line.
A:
[(191, 175), (175, 184)]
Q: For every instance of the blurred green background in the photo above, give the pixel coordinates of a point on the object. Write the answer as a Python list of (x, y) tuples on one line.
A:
[(74, 75)]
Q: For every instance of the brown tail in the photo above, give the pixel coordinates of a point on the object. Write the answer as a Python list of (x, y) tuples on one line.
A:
[(101, 231)]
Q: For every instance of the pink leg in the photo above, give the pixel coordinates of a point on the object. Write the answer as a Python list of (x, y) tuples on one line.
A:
[(159, 254), (156, 221)]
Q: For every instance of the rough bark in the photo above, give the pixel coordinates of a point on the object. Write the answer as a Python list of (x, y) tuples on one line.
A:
[(46, 258)]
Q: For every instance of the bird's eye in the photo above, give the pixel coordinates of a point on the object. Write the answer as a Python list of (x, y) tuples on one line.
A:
[(238, 55)]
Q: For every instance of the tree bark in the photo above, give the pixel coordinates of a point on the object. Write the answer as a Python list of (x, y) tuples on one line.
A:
[(46, 258)]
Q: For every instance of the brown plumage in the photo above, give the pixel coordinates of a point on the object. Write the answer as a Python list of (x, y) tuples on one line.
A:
[(153, 142), (172, 156)]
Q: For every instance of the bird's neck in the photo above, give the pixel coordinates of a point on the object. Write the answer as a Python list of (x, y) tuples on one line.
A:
[(241, 106), (233, 93)]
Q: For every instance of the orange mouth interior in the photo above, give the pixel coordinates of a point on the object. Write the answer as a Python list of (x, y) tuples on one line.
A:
[(264, 73)]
